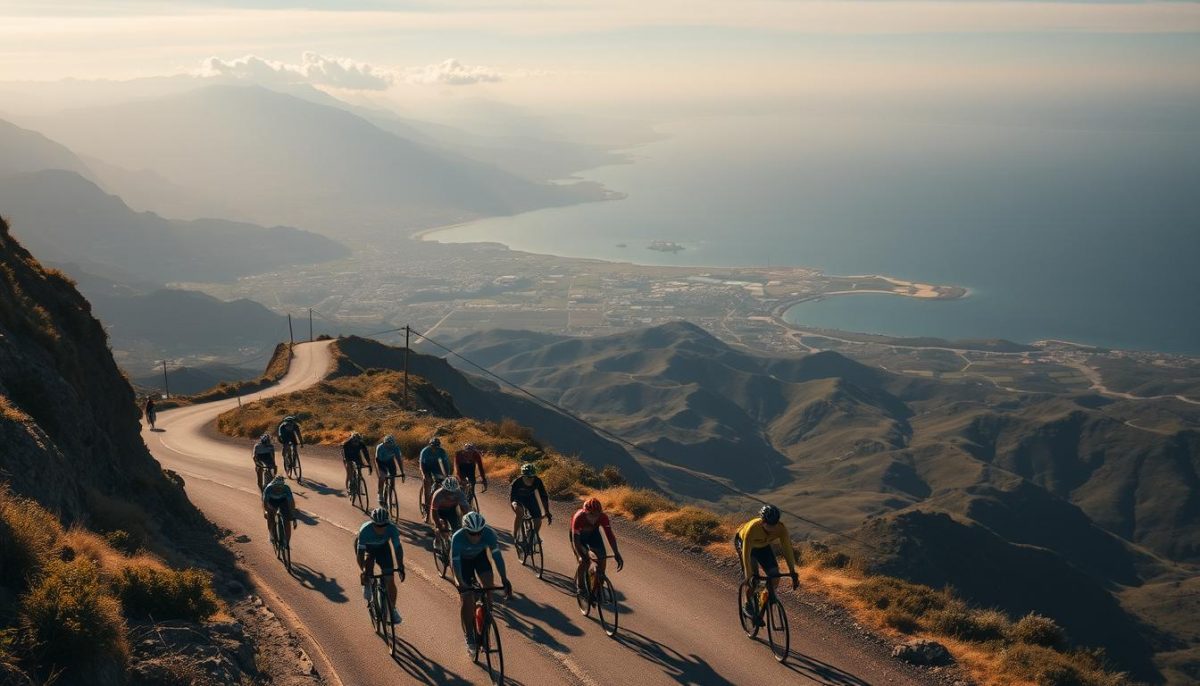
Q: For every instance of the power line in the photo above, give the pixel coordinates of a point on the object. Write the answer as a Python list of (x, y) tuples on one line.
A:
[(630, 444)]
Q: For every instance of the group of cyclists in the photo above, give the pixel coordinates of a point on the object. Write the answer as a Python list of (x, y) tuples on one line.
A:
[(474, 546)]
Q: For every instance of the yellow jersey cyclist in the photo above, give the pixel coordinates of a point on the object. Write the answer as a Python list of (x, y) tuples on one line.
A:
[(376, 540), (278, 501), (753, 545), (469, 548), (389, 462), (448, 506)]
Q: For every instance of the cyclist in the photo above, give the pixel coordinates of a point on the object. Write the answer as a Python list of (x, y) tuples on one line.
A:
[(278, 500), (466, 461), (264, 455), (151, 412), (448, 506), (435, 464), (468, 557), (753, 545), (289, 433), (389, 460), (523, 497), (354, 455), (376, 540), (585, 536)]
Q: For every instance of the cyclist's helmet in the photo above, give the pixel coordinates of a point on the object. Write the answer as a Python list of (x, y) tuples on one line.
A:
[(469, 446), (379, 516), (355, 434), (289, 418), (473, 522), (265, 438), (278, 480), (769, 514), (435, 441), (389, 439), (593, 505), (450, 483), (527, 470)]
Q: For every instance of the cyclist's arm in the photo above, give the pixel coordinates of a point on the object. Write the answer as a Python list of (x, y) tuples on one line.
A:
[(456, 545), (608, 533), (541, 489), (785, 542), (445, 458), (494, 544), (478, 457), (396, 546), (746, 548)]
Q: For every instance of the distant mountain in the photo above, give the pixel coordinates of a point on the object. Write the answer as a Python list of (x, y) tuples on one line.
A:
[(23, 151), (63, 217), (190, 380), (274, 157)]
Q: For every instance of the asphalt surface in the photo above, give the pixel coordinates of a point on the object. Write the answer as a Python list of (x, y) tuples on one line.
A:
[(678, 622)]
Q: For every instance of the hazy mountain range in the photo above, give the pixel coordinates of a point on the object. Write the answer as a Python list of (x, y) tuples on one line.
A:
[(1086, 516)]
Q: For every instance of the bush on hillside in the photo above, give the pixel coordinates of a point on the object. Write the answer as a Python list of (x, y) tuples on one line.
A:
[(699, 527), (962, 622), (640, 502), (883, 593), (70, 622), (529, 454), (511, 428), (1034, 629), (151, 592), (612, 476), (27, 534), (567, 477), (1048, 667)]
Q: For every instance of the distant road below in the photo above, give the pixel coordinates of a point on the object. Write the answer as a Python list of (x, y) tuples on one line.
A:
[(679, 624)]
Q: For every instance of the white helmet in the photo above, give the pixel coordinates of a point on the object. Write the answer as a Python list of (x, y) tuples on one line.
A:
[(473, 522), (450, 483)]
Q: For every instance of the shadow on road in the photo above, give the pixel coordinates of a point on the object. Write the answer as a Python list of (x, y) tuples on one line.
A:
[(418, 534), (820, 672), (317, 581), (305, 518), (322, 488), (422, 669), (520, 611), (685, 669)]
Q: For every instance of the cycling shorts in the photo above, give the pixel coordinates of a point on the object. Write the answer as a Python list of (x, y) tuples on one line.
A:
[(592, 541), (466, 470), (355, 458), (382, 556), (451, 515), (284, 506), (763, 557), (433, 471), (531, 505), (387, 467), (476, 566), (266, 461)]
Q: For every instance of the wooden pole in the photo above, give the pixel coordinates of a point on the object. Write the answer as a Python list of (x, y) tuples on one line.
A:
[(407, 330), (166, 385)]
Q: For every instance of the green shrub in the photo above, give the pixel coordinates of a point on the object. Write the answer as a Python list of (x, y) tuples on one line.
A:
[(1049, 667), (694, 525), (1034, 629), (641, 502), (962, 622), (565, 476), (71, 623), (529, 454), (612, 476), (900, 620), (149, 592), (884, 592), (27, 534), (822, 555)]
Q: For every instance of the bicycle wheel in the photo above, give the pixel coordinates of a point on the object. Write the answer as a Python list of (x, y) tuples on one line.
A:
[(373, 608), (472, 501), (584, 597), (745, 597), (607, 609), (422, 502), (441, 556), (535, 554), (492, 650), (298, 465), (389, 629), (393, 505), (777, 630), (521, 542)]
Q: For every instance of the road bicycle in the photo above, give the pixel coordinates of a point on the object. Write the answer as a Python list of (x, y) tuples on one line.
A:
[(280, 541), (380, 607), (469, 495), (441, 550), (765, 610), (601, 596), (291, 462), (264, 473), (529, 545), (422, 500), (390, 502), (486, 633), (357, 488)]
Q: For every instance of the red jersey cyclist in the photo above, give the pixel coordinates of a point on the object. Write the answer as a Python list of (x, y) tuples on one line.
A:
[(466, 462), (585, 537)]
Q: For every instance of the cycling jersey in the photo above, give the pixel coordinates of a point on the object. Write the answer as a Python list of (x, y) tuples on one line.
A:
[(463, 550), (370, 540), (444, 499), (387, 452), (467, 461), (755, 537), (521, 492), (583, 529), (264, 453), (289, 432), (434, 460), (277, 495), (354, 450)]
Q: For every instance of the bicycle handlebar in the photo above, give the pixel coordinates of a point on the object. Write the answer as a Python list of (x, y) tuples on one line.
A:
[(777, 575)]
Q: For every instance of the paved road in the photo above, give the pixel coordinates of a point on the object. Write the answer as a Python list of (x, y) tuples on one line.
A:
[(679, 625)]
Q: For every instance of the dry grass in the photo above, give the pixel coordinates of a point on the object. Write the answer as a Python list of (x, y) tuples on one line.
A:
[(72, 622)]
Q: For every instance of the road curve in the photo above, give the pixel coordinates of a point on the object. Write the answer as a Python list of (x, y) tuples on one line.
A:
[(678, 624)]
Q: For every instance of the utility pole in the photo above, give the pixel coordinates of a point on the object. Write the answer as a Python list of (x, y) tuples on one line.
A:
[(406, 332), (310, 330), (291, 335), (166, 386)]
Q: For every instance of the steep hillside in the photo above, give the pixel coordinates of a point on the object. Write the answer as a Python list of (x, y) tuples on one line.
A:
[(23, 151), (237, 147), (62, 217)]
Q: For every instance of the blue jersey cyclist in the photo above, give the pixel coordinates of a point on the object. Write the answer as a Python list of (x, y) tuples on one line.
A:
[(469, 558), (375, 542), (435, 464), (389, 461), (277, 500)]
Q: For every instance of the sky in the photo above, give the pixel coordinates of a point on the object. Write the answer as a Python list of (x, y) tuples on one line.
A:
[(652, 52)]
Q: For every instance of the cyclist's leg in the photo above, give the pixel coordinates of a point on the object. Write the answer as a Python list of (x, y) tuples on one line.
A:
[(535, 511), (518, 514), (288, 516), (467, 605), (581, 554), (349, 469), (596, 545), (269, 515)]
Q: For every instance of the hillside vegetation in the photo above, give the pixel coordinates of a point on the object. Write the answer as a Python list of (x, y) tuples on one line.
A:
[(996, 647)]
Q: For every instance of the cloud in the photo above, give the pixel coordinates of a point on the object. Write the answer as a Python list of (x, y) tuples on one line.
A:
[(451, 73), (313, 69)]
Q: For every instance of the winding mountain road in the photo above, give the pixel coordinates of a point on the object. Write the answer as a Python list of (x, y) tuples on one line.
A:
[(678, 624)]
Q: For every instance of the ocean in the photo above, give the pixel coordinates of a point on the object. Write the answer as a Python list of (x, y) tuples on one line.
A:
[(1083, 234)]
